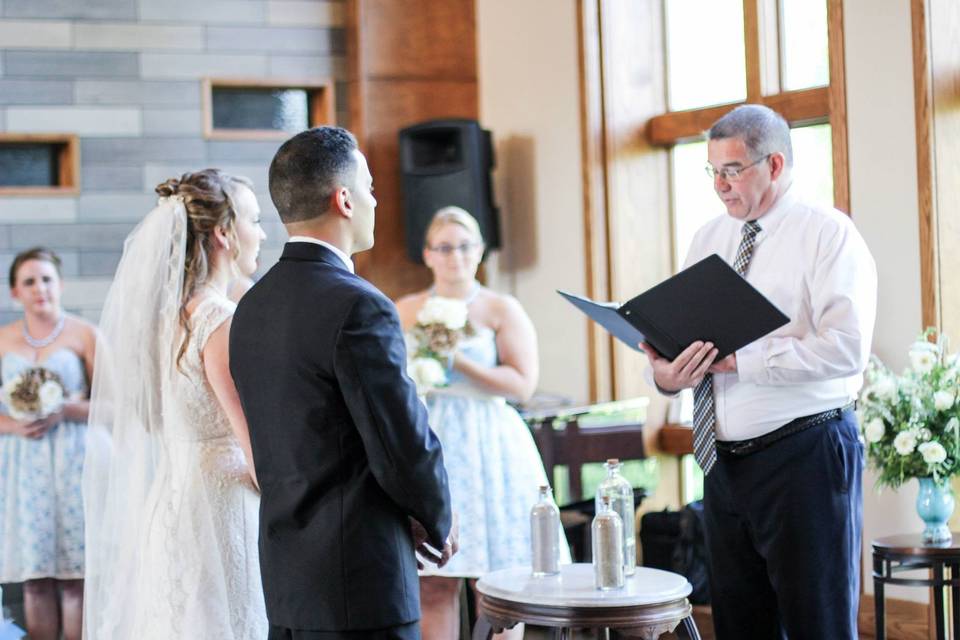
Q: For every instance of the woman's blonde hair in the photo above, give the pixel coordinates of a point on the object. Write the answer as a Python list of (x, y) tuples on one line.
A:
[(208, 196), (454, 215)]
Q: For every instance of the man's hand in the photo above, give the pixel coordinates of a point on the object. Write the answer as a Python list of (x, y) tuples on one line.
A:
[(428, 553), (727, 365), (686, 370)]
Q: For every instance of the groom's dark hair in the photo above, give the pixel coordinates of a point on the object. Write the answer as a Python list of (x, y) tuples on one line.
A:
[(307, 169)]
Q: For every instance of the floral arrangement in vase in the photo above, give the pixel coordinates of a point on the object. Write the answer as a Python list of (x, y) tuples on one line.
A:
[(911, 426), (441, 324)]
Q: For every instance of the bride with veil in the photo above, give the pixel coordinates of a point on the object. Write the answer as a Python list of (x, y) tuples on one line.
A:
[(171, 500)]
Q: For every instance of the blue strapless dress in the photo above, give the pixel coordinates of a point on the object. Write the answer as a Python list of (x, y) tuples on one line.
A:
[(493, 466), (41, 509)]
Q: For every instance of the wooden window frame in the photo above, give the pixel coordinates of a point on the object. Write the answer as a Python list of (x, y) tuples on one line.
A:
[(322, 110), (817, 105), (68, 178)]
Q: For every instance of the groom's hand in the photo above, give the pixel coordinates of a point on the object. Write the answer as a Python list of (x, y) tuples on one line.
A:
[(428, 553)]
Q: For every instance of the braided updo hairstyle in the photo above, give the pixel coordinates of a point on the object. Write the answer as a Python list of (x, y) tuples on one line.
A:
[(209, 202)]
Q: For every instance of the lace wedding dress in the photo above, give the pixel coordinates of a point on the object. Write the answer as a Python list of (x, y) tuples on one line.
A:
[(172, 515)]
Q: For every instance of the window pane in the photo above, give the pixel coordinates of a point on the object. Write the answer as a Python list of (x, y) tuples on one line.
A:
[(705, 59), (247, 108), (29, 165), (695, 203), (803, 27), (813, 161)]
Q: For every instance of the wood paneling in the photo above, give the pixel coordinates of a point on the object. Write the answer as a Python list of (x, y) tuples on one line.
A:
[(428, 39), (410, 61)]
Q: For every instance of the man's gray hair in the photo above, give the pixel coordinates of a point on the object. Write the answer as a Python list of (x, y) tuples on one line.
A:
[(763, 131)]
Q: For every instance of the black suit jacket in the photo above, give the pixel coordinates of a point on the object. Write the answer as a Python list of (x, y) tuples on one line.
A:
[(341, 444)]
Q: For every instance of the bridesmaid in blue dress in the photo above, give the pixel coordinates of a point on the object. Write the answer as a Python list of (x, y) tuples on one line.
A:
[(41, 462), (492, 462)]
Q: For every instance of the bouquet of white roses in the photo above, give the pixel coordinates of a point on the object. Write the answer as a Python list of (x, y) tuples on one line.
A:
[(33, 394), (441, 324), (911, 422)]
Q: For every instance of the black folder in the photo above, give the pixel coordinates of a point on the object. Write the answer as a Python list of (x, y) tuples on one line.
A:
[(706, 301)]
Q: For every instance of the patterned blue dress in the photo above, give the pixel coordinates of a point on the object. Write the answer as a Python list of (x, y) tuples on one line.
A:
[(41, 510), (493, 466)]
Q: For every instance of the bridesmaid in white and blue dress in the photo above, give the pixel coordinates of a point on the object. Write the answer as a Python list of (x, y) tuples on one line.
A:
[(492, 462), (41, 462)]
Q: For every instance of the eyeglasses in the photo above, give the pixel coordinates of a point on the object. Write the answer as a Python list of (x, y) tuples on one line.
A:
[(448, 249), (731, 174)]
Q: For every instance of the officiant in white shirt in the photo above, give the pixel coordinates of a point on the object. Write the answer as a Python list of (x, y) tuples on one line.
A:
[(774, 427)]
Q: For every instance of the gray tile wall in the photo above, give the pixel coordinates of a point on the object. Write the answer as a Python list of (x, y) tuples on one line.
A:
[(125, 75)]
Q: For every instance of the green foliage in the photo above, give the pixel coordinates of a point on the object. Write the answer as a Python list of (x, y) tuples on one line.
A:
[(911, 422)]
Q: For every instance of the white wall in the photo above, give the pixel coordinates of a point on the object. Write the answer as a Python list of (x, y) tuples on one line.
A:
[(883, 200), (529, 99)]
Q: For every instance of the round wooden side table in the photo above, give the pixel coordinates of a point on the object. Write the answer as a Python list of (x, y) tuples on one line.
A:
[(907, 552), (652, 602)]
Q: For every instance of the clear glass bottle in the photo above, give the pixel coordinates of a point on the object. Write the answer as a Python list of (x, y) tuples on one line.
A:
[(545, 534), (607, 532), (618, 489)]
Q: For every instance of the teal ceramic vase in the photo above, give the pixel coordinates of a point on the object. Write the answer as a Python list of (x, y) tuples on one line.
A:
[(935, 506)]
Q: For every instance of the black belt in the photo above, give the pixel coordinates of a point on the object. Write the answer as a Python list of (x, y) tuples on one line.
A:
[(742, 448)]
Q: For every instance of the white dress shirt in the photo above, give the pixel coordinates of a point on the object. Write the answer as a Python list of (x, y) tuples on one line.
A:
[(347, 262), (812, 263)]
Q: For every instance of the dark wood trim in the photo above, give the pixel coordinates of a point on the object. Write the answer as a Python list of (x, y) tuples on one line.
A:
[(68, 164), (837, 101), (752, 50), (923, 113), (675, 439), (594, 178), (804, 106)]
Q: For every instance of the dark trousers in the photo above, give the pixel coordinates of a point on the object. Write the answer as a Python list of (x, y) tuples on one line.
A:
[(783, 528), (409, 631)]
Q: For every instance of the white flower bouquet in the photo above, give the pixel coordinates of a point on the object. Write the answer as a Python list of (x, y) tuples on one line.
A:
[(441, 324), (911, 422), (33, 394)]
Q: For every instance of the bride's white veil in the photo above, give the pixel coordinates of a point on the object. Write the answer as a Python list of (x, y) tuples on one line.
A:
[(135, 357)]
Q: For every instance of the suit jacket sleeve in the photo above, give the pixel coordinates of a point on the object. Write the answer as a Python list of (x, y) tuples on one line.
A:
[(404, 454)]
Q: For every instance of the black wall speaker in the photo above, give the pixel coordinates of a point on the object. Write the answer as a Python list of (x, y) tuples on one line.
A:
[(444, 163)]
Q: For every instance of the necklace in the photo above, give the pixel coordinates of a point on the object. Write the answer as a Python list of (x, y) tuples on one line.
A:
[(40, 343), (474, 291)]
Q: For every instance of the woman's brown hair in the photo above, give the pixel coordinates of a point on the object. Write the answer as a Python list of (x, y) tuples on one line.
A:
[(36, 253), (208, 199)]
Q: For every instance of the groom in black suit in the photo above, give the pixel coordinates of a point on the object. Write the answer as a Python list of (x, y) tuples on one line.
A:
[(352, 477)]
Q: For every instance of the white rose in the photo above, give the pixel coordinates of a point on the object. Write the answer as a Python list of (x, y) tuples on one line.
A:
[(932, 452), (874, 430), (885, 388), (943, 400), (925, 434), (426, 373), (449, 312), (905, 442), (51, 397), (923, 355)]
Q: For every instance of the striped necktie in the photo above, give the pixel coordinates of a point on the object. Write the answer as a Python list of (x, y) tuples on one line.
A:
[(704, 410)]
